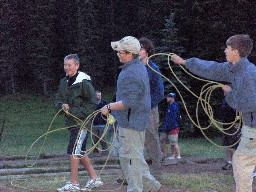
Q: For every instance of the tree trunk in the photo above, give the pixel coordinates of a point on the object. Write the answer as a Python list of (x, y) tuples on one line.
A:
[(2, 127)]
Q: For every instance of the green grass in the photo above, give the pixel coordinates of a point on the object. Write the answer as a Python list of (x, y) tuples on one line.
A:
[(29, 117), (177, 182), (200, 182), (200, 147), (181, 182)]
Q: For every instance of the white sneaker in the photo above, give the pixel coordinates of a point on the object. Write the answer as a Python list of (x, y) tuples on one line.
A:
[(169, 158), (178, 157), (92, 183), (69, 187)]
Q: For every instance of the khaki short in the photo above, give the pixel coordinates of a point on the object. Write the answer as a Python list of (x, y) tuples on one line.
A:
[(169, 139)]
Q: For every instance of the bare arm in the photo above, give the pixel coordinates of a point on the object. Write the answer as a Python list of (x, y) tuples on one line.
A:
[(112, 106), (178, 60)]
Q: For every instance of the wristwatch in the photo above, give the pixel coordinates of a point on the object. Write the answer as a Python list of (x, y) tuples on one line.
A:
[(108, 107)]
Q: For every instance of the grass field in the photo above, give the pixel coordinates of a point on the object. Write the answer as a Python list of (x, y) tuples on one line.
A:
[(29, 117)]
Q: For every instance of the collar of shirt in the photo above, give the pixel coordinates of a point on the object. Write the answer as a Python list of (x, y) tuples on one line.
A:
[(72, 79)]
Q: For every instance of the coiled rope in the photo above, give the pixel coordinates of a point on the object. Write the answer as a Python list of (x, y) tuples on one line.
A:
[(203, 100), (83, 126)]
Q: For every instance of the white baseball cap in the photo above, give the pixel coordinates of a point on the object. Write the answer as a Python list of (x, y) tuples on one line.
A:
[(128, 43)]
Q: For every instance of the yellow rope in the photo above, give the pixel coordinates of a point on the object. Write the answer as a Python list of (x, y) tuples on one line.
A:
[(203, 100), (109, 121)]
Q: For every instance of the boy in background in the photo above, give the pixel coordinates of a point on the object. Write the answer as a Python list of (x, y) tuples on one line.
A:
[(171, 129)]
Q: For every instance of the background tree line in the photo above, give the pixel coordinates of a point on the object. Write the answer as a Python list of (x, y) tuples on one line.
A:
[(36, 35)]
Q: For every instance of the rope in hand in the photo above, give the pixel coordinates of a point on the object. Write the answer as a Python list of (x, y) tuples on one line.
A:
[(110, 120), (203, 100)]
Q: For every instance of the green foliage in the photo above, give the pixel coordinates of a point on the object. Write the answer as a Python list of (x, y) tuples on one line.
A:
[(170, 41), (39, 43), (187, 128), (37, 36)]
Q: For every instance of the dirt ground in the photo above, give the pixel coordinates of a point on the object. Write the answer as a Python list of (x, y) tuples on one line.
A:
[(183, 166)]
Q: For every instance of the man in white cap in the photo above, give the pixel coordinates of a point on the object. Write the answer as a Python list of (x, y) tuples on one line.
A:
[(132, 114)]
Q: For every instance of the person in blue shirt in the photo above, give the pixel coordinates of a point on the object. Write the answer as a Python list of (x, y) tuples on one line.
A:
[(132, 107), (240, 74), (152, 142), (171, 129)]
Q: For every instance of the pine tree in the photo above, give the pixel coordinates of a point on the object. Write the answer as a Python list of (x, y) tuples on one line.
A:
[(170, 42), (39, 43), (12, 24)]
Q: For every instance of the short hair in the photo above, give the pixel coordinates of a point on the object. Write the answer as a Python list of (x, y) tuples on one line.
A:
[(135, 56), (242, 42), (74, 57), (147, 45)]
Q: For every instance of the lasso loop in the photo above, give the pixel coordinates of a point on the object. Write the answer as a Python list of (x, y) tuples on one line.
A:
[(203, 100), (110, 121)]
